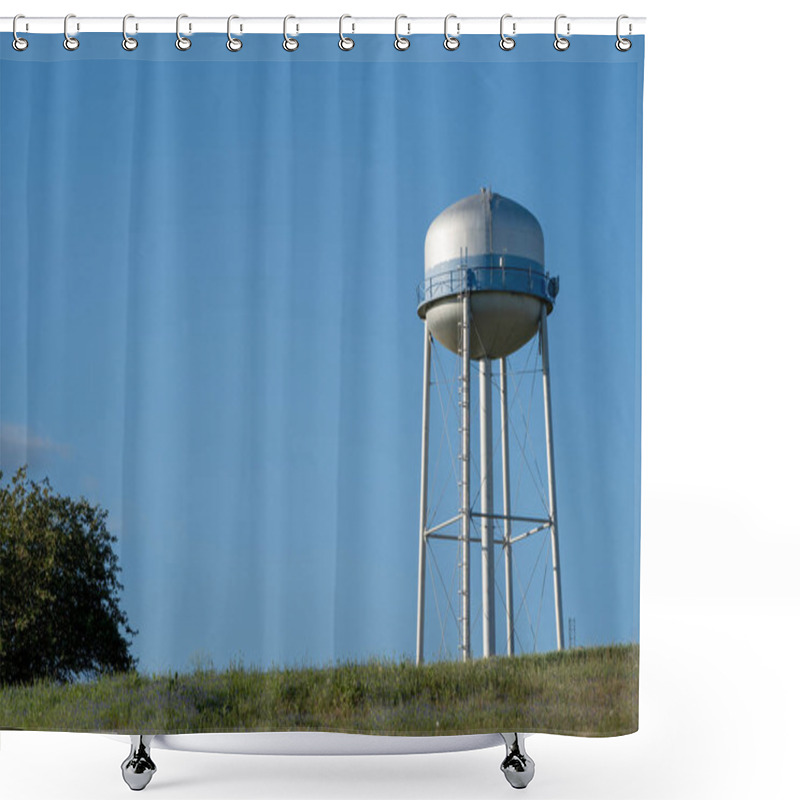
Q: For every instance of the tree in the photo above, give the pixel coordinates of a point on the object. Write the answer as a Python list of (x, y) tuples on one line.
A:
[(59, 589)]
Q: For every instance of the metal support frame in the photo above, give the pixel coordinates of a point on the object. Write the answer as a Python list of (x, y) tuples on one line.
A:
[(551, 475), (509, 564), (537, 529), (487, 508), (513, 517), (423, 494), (478, 540), (466, 516), (488, 518)]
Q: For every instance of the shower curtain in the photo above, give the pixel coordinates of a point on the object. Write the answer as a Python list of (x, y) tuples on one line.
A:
[(216, 338)]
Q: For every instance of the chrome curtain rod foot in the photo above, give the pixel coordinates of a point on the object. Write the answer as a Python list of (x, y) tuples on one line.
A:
[(138, 768), (517, 766)]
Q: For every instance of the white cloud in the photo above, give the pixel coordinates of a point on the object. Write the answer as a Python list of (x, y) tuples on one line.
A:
[(19, 445)]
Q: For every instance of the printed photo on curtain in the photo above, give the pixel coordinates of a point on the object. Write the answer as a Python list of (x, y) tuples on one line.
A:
[(320, 384)]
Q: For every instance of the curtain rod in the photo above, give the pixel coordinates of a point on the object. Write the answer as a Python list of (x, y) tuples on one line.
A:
[(298, 25)]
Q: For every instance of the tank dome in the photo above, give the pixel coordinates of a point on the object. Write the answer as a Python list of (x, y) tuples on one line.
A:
[(483, 224), (493, 248)]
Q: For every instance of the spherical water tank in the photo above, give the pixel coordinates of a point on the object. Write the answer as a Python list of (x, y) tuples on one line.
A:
[(493, 248)]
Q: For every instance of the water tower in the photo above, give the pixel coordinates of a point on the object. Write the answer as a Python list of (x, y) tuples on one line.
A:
[(486, 294)]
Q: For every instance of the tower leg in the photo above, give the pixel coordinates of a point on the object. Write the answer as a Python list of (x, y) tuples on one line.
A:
[(551, 476), (487, 507), (466, 512), (423, 495), (506, 509)]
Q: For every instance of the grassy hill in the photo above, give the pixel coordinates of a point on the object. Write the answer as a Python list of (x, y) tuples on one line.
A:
[(590, 692)]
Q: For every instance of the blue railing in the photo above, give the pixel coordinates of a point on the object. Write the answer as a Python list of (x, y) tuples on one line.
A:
[(522, 280)]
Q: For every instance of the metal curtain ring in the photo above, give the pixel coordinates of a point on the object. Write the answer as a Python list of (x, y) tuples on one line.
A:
[(290, 44), (507, 42), (128, 42), (623, 44), (233, 44), (70, 42), (18, 43), (451, 42), (401, 42), (181, 42), (345, 42), (560, 43)]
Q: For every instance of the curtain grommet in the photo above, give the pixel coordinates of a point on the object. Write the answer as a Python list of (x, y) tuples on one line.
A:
[(128, 42), (181, 42), (70, 42), (18, 43), (345, 42), (290, 44), (401, 43), (561, 43), (233, 44), (507, 42), (451, 42), (622, 44)]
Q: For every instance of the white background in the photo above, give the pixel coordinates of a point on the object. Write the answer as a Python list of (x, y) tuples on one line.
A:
[(720, 604)]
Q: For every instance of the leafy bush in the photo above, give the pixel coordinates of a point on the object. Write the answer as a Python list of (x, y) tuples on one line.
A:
[(59, 589)]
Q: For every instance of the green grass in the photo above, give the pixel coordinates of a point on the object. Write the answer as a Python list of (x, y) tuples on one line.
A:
[(589, 692)]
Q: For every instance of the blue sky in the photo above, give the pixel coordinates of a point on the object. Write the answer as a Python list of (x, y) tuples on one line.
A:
[(208, 319)]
